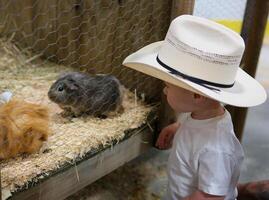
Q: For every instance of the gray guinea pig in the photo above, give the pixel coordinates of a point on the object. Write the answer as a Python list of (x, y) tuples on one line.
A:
[(79, 93)]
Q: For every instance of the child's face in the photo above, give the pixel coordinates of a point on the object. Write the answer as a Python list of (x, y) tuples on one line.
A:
[(179, 99)]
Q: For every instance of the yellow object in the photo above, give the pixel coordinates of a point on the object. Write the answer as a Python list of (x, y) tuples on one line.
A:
[(237, 24), (232, 24)]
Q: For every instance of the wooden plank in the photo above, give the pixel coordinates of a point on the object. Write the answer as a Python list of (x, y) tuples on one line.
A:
[(44, 27), (139, 23), (181, 7), (0, 186), (253, 29), (97, 32), (67, 31), (3, 17), (75, 178), (24, 21), (16, 17)]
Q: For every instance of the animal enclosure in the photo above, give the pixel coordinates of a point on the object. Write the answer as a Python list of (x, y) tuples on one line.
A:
[(41, 40), (94, 36)]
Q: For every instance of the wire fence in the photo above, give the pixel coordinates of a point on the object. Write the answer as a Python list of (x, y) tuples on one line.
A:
[(93, 36), (41, 42)]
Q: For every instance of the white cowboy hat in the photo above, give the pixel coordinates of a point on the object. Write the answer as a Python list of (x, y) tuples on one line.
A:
[(202, 56)]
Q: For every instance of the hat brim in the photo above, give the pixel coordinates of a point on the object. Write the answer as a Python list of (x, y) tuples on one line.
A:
[(246, 91)]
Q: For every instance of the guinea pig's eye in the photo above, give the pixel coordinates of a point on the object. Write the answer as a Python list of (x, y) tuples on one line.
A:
[(43, 138), (60, 88)]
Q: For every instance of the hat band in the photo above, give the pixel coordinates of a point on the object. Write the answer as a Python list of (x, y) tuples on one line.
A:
[(200, 54), (198, 81)]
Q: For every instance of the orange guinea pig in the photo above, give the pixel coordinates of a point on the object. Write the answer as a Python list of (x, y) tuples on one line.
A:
[(23, 128)]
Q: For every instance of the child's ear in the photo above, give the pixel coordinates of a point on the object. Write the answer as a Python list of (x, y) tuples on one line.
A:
[(198, 98)]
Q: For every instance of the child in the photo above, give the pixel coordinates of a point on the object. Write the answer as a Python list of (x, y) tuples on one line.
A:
[(199, 62)]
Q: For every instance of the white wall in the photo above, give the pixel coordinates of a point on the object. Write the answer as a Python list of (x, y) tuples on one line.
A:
[(220, 9)]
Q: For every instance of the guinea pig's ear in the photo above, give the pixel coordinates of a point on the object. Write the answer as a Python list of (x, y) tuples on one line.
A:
[(72, 85), (63, 74)]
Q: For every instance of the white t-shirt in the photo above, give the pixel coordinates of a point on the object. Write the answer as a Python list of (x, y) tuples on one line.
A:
[(205, 156)]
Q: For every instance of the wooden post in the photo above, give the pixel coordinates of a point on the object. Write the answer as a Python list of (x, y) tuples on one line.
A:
[(0, 186), (253, 28), (167, 115), (181, 7)]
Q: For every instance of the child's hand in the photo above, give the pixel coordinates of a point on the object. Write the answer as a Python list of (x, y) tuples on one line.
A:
[(199, 195), (166, 136)]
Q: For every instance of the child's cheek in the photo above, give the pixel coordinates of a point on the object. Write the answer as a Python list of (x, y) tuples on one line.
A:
[(177, 104)]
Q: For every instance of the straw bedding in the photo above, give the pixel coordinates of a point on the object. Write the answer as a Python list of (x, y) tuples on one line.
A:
[(29, 78)]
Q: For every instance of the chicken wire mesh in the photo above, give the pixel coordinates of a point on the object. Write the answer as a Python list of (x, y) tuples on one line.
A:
[(40, 40), (93, 36), (229, 13)]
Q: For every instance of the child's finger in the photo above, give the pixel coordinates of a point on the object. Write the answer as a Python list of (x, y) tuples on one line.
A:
[(159, 142), (164, 141), (168, 141)]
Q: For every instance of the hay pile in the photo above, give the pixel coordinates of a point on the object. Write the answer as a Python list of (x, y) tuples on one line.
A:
[(29, 78)]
